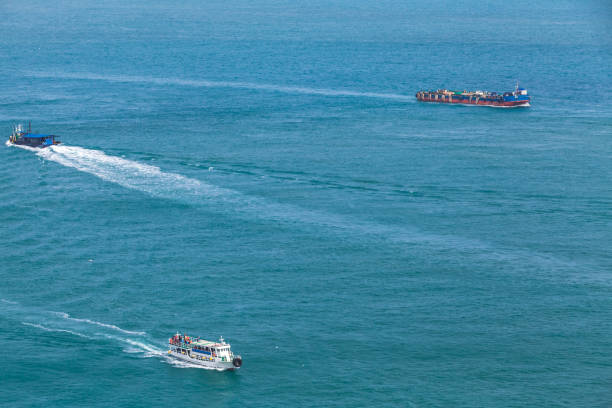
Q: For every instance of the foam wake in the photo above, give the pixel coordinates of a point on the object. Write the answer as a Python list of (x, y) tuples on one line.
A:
[(132, 346), (49, 329), (152, 180), (228, 84), (127, 173), (128, 345), (109, 326)]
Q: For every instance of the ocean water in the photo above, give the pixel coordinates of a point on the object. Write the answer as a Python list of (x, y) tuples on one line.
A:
[(262, 171)]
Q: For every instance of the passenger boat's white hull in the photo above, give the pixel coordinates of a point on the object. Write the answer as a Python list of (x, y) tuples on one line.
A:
[(197, 360)]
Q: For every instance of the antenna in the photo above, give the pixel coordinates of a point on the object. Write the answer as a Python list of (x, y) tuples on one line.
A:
[(29, 126)]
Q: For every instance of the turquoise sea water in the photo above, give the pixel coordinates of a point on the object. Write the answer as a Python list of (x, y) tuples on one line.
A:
[(262, 171)]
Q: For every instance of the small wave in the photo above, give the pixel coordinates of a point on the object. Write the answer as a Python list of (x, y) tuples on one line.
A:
[(40, 326), (230, 84), (10, 302), (109, 326)]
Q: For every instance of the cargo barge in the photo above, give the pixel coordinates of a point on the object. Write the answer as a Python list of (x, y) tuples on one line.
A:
[(518, 97)]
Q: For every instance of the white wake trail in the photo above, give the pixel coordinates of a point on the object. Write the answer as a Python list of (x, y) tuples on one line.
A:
[(147, 348), (88, 321), (137, 346), (127, 173), (49, 329), (131, 342), (228, 84), (152, 180)]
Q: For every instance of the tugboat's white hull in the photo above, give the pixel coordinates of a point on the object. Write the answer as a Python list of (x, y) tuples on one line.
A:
[(212, 364)]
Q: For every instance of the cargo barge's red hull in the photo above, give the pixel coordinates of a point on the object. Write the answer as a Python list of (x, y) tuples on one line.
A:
[(473, 101)]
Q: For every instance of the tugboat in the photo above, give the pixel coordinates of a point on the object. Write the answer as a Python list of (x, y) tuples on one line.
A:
[(209, 354), (508, 99), (22, 138)]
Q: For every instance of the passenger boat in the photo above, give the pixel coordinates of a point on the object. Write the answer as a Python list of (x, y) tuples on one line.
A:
[(209, 354), (518, 97), (22, 138)]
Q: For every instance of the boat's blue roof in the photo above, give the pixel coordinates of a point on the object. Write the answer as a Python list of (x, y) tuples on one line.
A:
[(35, 135)]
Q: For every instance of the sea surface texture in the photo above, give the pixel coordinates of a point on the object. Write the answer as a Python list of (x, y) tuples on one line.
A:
[(262, 171)]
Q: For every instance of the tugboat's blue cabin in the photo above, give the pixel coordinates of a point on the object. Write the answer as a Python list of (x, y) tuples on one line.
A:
[(23, 138), (36, 140)]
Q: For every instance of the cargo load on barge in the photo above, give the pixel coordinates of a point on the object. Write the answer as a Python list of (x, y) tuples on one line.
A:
[(518, 97)]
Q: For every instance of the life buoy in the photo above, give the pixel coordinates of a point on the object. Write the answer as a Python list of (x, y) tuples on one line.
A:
[(237, 362)]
